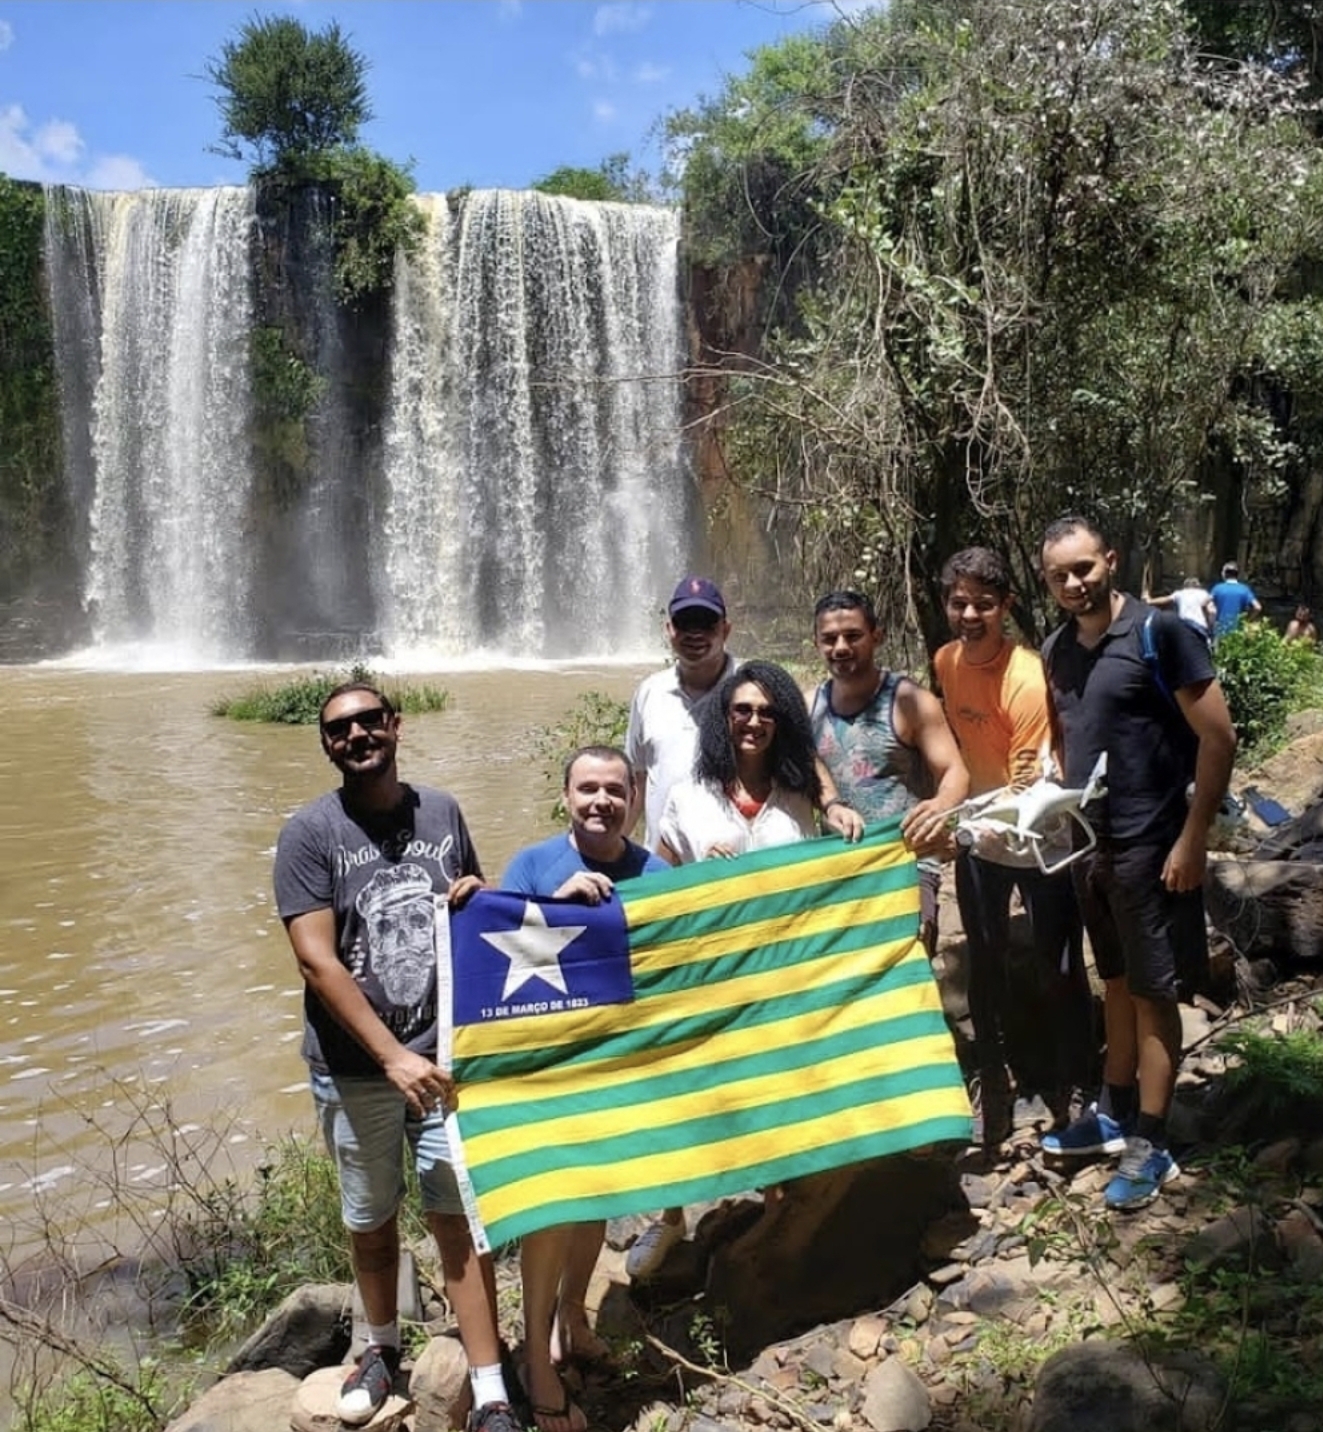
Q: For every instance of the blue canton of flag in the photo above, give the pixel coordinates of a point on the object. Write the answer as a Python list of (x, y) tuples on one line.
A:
[(513, 957)]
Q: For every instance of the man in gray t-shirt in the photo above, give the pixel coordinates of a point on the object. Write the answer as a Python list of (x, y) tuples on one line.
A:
[(361, 877)]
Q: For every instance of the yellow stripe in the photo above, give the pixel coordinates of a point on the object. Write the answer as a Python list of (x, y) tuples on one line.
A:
[(750, 1151), (739, 1094), (775, 880), (548, 1030), (920, 998), (803, 924)]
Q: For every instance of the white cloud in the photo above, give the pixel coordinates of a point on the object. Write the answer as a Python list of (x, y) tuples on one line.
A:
[(59, 141), (122, 171), (53, 154), (509, 10), (595, 67), (650, 74), (604, 111), (6, 34), (620, 17)]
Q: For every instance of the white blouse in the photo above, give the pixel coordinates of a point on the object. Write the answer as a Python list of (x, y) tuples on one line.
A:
[(697, 817)]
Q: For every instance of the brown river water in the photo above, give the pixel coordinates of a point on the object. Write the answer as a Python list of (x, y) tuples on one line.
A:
[(149, 1003)]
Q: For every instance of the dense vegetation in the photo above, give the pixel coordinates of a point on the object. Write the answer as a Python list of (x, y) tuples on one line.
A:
[(1019, 258), (31, 506), (1266, 679), (292, 101)]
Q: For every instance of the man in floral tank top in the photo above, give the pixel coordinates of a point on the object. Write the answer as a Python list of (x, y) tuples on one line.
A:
[(885, 740)]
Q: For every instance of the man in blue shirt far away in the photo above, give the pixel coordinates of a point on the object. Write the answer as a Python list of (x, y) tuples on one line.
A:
[(1229, 600)]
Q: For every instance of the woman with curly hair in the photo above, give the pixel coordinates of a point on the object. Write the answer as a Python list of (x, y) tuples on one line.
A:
[(755, 782)]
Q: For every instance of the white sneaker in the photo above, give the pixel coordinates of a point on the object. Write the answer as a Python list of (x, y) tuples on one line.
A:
[(651, 1247)]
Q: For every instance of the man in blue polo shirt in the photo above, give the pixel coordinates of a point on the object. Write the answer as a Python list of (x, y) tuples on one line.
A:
[(1155, 709), (583, 864)]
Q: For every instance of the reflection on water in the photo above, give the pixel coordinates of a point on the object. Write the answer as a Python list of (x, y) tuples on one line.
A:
[(142, 960)]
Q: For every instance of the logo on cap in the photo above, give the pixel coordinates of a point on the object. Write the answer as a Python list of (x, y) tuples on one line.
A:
[(697, 592)]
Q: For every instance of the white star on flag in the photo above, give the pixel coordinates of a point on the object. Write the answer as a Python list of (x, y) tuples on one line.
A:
[(534, 950)]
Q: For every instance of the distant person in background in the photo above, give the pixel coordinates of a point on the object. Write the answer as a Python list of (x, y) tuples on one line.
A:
[(1191, 603), (1230, 600), (585, 863), (1301, 627)]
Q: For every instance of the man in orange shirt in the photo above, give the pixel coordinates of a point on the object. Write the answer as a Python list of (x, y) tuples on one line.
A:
[(995, 696)]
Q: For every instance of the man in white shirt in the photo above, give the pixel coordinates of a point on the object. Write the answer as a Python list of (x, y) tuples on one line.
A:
[(662, 734)]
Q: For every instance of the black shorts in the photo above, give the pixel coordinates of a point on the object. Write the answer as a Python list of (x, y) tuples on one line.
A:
[(1138, 928)]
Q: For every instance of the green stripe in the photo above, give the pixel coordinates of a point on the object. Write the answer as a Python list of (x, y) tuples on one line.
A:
[(788, 954), (714, 1129), (731, 1181), (779, 904), (782, 857), (633, 1043), (645, 1088)]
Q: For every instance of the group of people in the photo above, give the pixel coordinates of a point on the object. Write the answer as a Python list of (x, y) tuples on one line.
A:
[(722, 757), (1215, 613)]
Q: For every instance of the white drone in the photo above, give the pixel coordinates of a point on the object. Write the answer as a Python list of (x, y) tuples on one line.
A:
[(1031, 826)]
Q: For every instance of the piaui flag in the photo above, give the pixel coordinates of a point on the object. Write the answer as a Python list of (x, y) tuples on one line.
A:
[(712, 1029)]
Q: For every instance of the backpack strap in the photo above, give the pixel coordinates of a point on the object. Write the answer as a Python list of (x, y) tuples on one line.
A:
[(1148, 649)]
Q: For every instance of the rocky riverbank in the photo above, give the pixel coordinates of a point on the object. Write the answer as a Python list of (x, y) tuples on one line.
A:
[(1027, 1309)]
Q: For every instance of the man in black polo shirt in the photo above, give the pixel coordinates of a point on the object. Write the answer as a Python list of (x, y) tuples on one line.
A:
[(1152, 704)]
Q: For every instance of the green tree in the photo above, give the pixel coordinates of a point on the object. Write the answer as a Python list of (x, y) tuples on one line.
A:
[(745, 160), (611, 181), (1055, 246), (288, 92)]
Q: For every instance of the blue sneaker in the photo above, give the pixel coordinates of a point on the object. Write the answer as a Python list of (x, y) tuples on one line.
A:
[(1140, 1175), (1092, 1133)]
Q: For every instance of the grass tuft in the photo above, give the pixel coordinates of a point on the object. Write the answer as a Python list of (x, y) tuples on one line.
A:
[(298, 702)]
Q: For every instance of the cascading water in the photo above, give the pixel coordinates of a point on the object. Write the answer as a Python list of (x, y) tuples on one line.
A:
[(169, 561), (534, 466), (521, 490)]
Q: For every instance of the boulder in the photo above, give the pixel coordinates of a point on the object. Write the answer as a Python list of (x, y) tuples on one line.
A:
[(1267, 907), (833, 1245), (1241, 1239), (440, 1387), (245, 1402), (310, 1329), (1298, 1238), (1103, 1386), (314, 1406), (895, 1399)]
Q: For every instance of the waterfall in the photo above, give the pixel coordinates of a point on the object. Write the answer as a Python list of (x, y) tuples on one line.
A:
[(533, 466), (168, 292), (495, 466)]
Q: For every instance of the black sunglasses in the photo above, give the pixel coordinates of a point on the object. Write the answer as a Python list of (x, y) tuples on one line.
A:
[(375, 718), (745, 711), (699, 619)]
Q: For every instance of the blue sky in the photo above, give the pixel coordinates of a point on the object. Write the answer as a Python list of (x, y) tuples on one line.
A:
[(107, 93)]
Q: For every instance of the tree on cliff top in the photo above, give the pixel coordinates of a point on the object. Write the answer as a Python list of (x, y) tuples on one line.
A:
[(611, 181), (288, 93)]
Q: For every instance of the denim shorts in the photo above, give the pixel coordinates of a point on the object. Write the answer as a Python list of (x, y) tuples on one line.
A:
[(366, 1122)]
